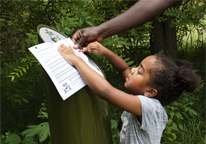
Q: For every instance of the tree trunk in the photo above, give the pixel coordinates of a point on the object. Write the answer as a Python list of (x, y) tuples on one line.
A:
[(159, 37), (170, 39), (164, 38)]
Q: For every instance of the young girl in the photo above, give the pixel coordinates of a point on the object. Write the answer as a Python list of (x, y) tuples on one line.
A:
[(156, 82)]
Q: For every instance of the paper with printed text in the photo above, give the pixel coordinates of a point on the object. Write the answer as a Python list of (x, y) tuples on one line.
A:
[(65, 77)]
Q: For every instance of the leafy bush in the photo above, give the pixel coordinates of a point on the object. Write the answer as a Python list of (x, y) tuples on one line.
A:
[(22, 93), (183, 125)]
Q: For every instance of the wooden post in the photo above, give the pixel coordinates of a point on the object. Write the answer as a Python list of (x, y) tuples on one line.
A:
[(82, 118)]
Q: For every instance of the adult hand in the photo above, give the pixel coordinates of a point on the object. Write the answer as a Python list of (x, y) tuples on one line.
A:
[(85, 36)]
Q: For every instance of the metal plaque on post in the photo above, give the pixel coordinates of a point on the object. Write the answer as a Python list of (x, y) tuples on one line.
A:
[(83, 118)]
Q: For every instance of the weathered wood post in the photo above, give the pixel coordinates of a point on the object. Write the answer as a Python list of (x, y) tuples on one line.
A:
[(82, 118)]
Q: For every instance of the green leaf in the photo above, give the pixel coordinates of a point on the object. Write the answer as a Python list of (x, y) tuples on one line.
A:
[(81, 20), (171, 114), (12, 78), (2, 136), (63, 22), (27, 131), (27, 67), (113, 124), (174, 136), (174, 128), (174, 124), (17, 100), (172, 9), (26, 101), (89, 23), (160, 52), (29, 140), (40, 116), (67, 29), (44, 131), (130, 63), (17, 74), (24, 70), (44, 108), (21, 73), (126, 59), (58, 27), (180, 126), (31, 132), (13, 139), (179, 115), (31, 126), (170, 139), (176, 10), (191, 111)]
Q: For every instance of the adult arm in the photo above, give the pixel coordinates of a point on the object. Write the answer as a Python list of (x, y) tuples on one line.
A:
[(138, 14)]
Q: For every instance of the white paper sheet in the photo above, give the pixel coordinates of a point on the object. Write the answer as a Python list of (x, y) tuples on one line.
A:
[(64, 76)]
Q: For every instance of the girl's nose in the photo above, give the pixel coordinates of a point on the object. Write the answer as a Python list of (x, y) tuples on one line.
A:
[(133, 70)]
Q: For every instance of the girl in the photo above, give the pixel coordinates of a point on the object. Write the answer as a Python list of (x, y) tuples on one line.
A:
[(156, 82)]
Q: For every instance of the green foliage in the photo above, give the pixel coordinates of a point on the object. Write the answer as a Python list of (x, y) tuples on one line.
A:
[(189, 12), (43, 112), (181, 114), (72, 17), (11, 138), (22, 89), (22, 66), (19, 18), (41, 131), (32, 39), (22, 94), (115, 131)]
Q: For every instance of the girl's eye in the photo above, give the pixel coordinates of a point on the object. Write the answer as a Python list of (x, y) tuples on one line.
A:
[(138, 71)]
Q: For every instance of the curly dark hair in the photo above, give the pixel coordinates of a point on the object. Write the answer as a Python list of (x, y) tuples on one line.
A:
[(171, 78)]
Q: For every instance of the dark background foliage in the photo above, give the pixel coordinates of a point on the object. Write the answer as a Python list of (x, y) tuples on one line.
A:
[(179, 33)]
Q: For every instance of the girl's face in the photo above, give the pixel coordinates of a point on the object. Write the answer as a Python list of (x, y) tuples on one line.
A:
[(139, 77)]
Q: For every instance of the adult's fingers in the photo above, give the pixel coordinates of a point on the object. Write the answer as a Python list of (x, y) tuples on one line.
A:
[(79, 39), (76, 36), (80, 43)]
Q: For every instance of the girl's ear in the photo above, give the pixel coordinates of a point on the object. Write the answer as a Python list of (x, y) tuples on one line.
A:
[(151, 93)]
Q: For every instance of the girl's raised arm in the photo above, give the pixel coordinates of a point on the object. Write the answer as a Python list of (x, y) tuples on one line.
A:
[(101, 86), (117, 62)]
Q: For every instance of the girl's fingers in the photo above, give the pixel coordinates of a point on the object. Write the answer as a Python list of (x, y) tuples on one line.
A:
[(83, 50), (87, 50), (65, 50)]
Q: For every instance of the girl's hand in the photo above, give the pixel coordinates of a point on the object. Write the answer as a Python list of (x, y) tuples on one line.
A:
[(68, 54), (96, 48)]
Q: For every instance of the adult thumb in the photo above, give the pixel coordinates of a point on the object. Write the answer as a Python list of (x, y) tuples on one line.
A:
[(80, 43)]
